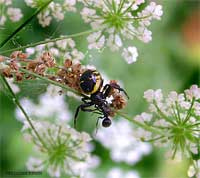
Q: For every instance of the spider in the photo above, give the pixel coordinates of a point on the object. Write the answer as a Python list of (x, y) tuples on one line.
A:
[(91, 84)]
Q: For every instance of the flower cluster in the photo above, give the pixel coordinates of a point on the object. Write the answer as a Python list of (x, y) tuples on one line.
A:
[(7, 11), (194, 169), (119, 173), (122, 142), (54, 10), (61, 49), (175, 121), (64, 151), (11, 67), (43, 109), (115, 22)]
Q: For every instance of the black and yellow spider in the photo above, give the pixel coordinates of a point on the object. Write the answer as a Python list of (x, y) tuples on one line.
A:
[(91, 84)]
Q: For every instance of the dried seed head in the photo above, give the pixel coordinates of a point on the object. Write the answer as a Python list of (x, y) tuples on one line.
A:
[(14, 54), (47, 59), (67, 63), (40, 69), (18, 54), (2, 59), (32, 65), (22, 55), (14, 65), (118, 102), (19, 76), (71, 74), (7, 72)]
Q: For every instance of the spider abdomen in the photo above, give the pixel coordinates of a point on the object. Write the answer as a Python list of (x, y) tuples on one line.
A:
[(91, 82)]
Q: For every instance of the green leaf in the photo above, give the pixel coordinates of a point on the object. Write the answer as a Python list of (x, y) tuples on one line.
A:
[(32, 88)]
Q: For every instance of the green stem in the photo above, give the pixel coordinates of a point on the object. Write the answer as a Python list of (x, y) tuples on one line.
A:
[(25, 23), (189, 111), (23, 111), (154, 139), (129, 8), (48, 41), (146, 127), (120, 6), (162, 114), (137, 18), (49, 81), (193, 125)]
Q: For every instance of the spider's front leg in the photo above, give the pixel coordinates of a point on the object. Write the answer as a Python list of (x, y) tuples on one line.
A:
[(108, 87), (82, 107)]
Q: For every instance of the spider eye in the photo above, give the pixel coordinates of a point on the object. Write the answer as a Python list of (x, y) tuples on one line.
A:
[(106, 122)]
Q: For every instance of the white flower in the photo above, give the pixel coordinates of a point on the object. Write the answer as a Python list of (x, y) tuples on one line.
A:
[(44, 110), (63, 49), (122, 143), (69, 5), (2, 20), (173, 118), (86, 14), (130, 54), (193, 92), (144, 34), (54, 51), (119, 173), (44, 18), (31, 3), (77, 55), (114, 42), (62, 151), (34, 164), (96, 40), (14, 14), (151, 95), (194, 169), (30, 51), (116, 21), (57, 11), (14, 87), (53, 10)]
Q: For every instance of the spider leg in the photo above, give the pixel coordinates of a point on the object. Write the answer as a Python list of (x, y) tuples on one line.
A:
[(86, 99), (83, 108), (107, 88)]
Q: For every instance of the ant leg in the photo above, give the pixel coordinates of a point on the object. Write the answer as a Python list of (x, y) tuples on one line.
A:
[(97, 123), (83, 108), (107, 88)]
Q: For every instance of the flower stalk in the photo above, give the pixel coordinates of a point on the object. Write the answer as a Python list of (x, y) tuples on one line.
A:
[(15, 99), (25, 23), (48, 41)]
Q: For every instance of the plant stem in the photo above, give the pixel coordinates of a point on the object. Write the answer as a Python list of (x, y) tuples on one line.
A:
[(162, 114), (48, 41), (25, 23), (15, 99), (189, 111), (49, 81), (146, 127)]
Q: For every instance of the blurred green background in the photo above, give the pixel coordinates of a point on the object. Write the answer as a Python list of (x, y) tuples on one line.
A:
[(171, 61)]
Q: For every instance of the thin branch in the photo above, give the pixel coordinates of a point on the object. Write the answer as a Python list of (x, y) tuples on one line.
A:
[(146, 127), (50, 81), (189, 111), (15, 99), (25, 23), (48, 41)]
